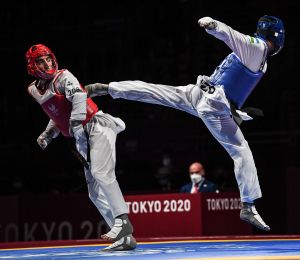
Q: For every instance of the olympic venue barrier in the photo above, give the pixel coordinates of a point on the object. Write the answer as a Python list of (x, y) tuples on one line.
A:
[(73, 216)]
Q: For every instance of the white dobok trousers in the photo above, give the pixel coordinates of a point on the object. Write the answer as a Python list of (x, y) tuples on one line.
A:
[(103, 188), (213, 109)]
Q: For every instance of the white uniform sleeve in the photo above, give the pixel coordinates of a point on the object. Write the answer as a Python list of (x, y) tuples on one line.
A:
[(250, 50), (76, 95), (52, 130)]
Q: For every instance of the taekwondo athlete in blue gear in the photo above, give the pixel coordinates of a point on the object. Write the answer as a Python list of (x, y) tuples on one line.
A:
[(211, 98), (237, 79)]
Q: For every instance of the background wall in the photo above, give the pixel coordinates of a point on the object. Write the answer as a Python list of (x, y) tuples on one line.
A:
[(158, 42)]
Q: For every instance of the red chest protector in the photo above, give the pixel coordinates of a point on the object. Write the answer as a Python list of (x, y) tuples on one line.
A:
[(58, 108)]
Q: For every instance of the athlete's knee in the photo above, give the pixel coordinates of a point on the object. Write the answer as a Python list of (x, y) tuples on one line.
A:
[(104, 177)]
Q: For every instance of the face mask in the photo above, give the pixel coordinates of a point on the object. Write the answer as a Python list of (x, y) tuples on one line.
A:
[(195, 178)]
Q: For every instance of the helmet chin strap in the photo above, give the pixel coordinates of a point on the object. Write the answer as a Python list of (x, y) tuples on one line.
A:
[(45, 75), (51, 72)]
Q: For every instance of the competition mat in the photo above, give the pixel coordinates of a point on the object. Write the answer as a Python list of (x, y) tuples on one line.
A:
[(207, 248)]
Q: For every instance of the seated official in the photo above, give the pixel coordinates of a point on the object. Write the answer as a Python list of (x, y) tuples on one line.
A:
[(198, 183)]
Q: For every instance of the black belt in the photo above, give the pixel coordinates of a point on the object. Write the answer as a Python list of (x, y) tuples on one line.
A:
[(252, 111)]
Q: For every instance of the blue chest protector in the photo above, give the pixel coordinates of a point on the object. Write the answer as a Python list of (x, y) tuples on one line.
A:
[(238, 80)]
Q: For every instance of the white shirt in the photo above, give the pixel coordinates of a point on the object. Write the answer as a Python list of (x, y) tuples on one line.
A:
[(250, 50)]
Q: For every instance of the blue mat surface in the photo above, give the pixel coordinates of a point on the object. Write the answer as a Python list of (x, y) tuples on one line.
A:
[(257, 249)]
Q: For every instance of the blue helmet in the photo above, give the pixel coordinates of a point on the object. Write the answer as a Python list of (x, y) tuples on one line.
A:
[(271, 28)]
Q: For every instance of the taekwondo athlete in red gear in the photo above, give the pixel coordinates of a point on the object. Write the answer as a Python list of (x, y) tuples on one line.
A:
[(73, 114), (216, 99)]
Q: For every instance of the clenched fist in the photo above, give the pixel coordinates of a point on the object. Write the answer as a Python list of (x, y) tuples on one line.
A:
[(207, 23), (44, 139)]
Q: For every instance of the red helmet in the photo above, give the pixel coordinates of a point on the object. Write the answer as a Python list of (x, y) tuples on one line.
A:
[(32, 54)]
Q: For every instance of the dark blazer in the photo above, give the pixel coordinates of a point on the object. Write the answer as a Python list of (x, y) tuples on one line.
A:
[(206, 186)]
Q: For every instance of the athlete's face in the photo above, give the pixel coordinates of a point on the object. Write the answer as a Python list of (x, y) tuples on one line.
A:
[(44, 63), (270, 46)]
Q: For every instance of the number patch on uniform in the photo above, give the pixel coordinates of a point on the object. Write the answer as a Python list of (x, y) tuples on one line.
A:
[(73, 91), (208, 89)]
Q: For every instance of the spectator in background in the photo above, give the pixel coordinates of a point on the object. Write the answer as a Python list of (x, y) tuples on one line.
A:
[(164, 172), (198, 182)]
